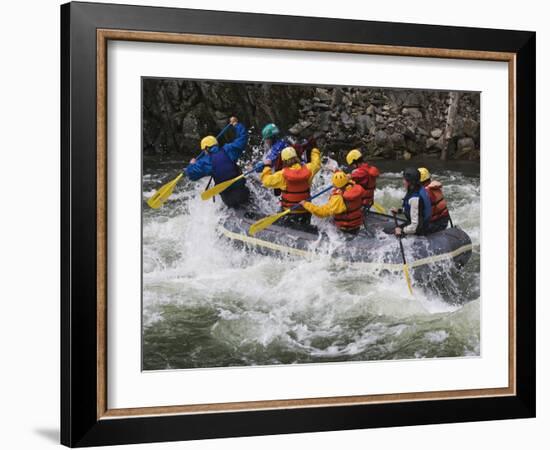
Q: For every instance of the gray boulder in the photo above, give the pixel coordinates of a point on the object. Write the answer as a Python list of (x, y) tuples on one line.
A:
[(436, 133), (364, 123), (380, 138), (464, 147)]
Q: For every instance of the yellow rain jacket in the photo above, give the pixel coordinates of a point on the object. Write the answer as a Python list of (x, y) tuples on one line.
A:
[(345, 205), (335, 205), (277, 181)]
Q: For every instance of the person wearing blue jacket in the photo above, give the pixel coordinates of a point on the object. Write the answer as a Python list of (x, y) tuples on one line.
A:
[(417, 206), (271, 136), (220, 162)]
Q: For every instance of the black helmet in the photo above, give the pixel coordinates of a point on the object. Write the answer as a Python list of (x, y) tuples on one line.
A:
[(412, 175)]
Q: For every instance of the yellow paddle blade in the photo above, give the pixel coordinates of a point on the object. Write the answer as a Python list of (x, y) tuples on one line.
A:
[(379, 208), (407, 277), (219, 188), (159, 197), (262, 224)]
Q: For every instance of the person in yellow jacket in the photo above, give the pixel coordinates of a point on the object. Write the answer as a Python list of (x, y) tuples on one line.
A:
[(294, 180), (345, 204)]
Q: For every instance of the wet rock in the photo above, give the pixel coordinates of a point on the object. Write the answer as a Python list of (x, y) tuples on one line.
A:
[(458, 128), (364, 124), (464, 147), (414, 112), (471, 128), (177, 113), (337, 96), (323, 106), (324, 120), (380, 138), (413, 100), (378, 98), (341, 136), (435, 144), (347, 120), (422, 132), (398, 141), (436, 133), (323, 95), (299, 127), (409, 132), (414, 147)]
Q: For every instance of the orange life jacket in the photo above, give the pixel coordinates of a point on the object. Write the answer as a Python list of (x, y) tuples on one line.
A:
[(353, 198), (297, 187), (439, 204), (366, 175)]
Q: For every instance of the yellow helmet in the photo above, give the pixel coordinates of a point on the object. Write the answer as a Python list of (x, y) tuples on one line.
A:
[(340, 179), (352, 156), (424, 174), (208, 141), (288, 153)]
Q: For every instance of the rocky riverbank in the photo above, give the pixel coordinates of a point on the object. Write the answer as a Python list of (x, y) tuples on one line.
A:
[(386, 123)]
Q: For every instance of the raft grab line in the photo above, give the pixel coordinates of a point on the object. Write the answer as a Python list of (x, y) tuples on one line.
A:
[(312, 255)]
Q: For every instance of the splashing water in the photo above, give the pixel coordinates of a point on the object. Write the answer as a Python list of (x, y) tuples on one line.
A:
[(207, 304)]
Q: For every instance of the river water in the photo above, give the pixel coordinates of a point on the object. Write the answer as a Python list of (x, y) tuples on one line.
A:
[(207, 304)]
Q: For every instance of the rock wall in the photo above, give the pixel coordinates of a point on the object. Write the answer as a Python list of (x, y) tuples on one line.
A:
[(385, 123)]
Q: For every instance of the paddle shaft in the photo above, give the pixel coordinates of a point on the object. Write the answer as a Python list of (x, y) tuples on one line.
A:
[(370, 211), (400, 241), (162, 194), (266, 222), (312, 197)]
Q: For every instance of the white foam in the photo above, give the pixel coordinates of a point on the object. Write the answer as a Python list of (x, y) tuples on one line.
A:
[(311, 306)]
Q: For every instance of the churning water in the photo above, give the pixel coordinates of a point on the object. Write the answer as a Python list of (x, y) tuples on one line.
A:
[(207, 304)]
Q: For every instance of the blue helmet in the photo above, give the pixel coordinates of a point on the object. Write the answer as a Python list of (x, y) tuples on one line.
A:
[(270, 131)]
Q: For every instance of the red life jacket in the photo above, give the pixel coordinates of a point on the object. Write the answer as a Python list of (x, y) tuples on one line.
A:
[(366, 175), (353, 198), (439, 204), (297, 187)]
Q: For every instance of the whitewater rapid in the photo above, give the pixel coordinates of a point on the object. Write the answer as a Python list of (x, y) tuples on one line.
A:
[(207, 304)]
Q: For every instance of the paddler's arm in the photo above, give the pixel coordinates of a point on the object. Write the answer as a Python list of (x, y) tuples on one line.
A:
[(202, 167), (315, 165), (235, 148), (276, 149), (415, 216), (273, 180), (335, 205)]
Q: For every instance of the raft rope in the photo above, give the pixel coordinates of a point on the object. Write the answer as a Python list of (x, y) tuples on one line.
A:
[(370, 265)]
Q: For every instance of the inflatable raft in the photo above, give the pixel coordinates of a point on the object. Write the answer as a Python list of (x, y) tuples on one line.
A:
[(371, 247)]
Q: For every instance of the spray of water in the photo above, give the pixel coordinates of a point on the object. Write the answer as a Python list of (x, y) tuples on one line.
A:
[(208, 304)]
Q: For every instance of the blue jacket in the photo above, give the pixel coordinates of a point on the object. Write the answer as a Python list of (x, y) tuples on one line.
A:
[(425, 204), (233, 150), (274, 152), (277, 148)]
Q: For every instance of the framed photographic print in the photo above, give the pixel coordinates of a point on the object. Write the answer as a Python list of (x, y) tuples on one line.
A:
[(276, 224)]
